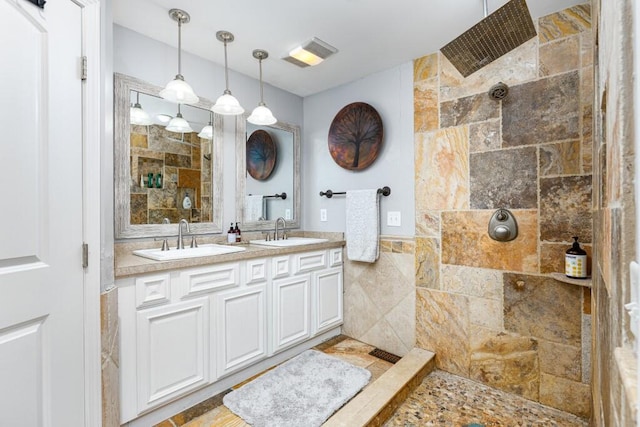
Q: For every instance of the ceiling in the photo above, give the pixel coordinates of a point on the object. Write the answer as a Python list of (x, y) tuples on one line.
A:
[(370, 35)]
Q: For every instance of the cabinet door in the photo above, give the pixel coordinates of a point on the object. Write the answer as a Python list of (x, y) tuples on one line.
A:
[(327, 291), (291, 317), (173, 351), (241, 328)]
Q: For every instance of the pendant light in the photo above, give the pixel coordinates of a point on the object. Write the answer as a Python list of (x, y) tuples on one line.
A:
[(207, 131), (226, 104), (178, 124), (137, 116), (261, 115), (177, 90)]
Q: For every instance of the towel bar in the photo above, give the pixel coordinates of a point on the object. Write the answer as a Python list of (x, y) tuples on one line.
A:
[(385, 191)]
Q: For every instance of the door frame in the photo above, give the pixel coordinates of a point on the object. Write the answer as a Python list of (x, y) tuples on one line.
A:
[(91, 198)]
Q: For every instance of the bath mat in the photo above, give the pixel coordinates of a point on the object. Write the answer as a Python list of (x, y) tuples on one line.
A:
[(304, 391)]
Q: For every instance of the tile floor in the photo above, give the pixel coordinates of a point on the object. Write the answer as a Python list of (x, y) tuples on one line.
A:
[(441, 399)]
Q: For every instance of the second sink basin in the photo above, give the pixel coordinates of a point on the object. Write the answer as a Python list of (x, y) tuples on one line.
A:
[(291, 241), (202, 250)]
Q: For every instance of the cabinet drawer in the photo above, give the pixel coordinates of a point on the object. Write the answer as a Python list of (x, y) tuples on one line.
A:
[(335, 257), (153, 290), (310, 261), (210, 278), (256, 271), (280, 267)]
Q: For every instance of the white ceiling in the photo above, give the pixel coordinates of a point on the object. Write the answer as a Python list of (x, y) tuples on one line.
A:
[(371, 35)]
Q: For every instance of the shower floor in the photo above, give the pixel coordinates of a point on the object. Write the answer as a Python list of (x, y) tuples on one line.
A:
[(442, 399)]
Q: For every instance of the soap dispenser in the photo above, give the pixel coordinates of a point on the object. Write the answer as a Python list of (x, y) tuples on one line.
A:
[(231, 234), (575, 261), (238, 234)]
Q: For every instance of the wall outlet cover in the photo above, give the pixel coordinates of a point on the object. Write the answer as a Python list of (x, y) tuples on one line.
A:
[(394, 219), (323, 215)]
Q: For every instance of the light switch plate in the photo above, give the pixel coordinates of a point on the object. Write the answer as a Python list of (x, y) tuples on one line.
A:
[(287, 214), (323, 215), (394, 219)]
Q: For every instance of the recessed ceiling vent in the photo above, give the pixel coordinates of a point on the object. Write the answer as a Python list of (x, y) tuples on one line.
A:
[(310, 53)]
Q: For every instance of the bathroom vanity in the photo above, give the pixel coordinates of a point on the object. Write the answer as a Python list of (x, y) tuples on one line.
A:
[(192, 328)]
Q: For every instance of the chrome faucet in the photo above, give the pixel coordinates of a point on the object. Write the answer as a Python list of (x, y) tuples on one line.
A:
[(284, 229), (180, 244)]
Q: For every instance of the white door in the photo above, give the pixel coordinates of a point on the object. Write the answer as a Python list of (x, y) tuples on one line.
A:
[(41, 221)]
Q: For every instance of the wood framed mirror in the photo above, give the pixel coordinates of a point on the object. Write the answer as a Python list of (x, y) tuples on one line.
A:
[(162, 175), (259, 202)]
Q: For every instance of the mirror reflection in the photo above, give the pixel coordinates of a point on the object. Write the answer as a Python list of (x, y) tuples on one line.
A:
[(168, 162), (268, 174)]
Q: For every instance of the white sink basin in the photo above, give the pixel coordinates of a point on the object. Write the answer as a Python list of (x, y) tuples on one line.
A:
[(202, 250), (291, 241)]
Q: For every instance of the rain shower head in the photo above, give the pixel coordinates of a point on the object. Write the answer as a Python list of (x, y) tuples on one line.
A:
[(502, 31)]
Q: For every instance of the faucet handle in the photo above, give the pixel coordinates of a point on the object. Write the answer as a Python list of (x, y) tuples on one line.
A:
[(194, 243), (165, 243)]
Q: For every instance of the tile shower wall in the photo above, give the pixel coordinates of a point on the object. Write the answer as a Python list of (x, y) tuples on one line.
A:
[(379, 298), (615, 228), (155, 150), (487, 308)]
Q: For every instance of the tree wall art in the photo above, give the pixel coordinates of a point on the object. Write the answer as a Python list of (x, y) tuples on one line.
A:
[(355, 136)]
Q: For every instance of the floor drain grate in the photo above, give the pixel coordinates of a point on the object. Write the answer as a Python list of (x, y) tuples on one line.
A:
[(384, 355)]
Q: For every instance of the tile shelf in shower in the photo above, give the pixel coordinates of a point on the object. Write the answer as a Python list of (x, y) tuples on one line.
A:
[(560, 277)]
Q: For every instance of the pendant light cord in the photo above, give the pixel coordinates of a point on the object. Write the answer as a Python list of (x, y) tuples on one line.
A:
[(226, 69), (261, 92), (180, 46)]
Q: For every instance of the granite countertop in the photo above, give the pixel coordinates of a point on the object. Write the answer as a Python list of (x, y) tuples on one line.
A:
[(128, 264)]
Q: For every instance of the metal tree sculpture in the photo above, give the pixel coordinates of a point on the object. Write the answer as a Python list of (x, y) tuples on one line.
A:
[(355, 136)]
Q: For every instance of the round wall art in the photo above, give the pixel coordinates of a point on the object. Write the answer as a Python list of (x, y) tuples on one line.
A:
[(355, 136), (261, 155)]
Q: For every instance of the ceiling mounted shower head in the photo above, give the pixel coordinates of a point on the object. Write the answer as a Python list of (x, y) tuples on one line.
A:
[(498, 91), (499, 33)]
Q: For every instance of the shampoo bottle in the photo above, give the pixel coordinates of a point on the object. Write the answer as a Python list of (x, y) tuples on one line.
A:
[(575, 261), (231, 234)]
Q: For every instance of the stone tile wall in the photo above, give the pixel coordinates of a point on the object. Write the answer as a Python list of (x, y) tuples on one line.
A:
[(182, 165), (487, 309), (379, 298), (615, 228)]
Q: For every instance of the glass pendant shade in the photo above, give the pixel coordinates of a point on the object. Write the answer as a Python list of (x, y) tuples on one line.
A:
[(206, 132), (177, 90), (179, 125), (226, 104), (261, 115), (137, 116)]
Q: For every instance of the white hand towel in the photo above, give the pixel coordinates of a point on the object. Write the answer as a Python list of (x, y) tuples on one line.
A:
[(363, 225), (253, 208)]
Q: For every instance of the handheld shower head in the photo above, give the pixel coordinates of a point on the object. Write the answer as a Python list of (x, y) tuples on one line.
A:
[(498, 91)]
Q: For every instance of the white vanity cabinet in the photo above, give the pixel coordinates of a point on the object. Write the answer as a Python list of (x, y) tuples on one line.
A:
[(197, 330)]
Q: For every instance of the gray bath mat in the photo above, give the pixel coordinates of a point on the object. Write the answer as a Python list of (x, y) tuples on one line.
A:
[(303, 391)]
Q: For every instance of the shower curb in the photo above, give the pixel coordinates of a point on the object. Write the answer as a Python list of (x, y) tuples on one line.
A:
[(375, 404)]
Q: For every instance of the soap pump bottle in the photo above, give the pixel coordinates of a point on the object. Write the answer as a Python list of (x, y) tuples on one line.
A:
[(575, 261), (231, 234), (238, 234)]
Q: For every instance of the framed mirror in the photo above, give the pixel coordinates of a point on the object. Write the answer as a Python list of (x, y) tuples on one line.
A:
[(268, 174), (163, 175)]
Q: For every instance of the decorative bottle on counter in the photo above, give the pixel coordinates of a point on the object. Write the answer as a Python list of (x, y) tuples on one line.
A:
[(238, 234), (575, 261), (231, 234)]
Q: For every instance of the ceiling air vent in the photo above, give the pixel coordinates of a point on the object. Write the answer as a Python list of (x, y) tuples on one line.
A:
[(310, 53)]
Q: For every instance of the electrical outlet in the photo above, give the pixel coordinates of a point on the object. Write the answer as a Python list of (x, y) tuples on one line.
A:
[(323, 215), (394, 219), (287, 214)]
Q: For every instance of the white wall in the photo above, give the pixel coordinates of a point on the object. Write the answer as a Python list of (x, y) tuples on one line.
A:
[(157, 63), (391, 93)]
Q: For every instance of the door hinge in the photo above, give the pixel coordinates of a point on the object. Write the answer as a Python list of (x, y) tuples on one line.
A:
[(83, 71), (85, 255)]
